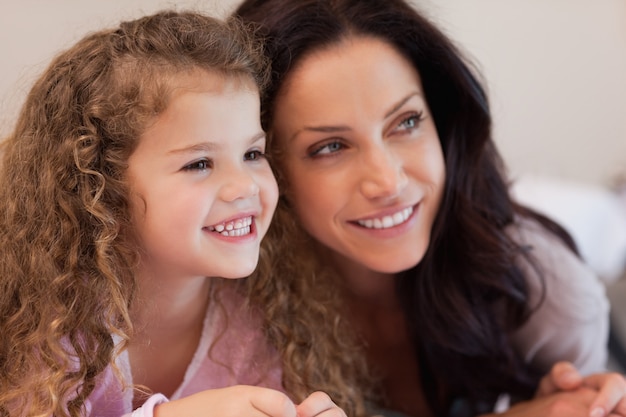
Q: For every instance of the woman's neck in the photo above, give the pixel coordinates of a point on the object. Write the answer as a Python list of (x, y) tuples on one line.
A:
[(364, 285), (373, 307)]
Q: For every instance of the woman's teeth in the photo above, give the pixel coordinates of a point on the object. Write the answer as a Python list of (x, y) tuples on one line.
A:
[(239, 227), (387, 221)]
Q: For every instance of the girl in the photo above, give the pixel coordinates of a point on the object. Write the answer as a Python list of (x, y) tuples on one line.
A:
[(394, 200), (135, 176)]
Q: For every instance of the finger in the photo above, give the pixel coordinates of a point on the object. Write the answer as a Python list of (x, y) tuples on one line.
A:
[(273, 403), (620, 408), (562, 377), (561, 404), (319, 404), (611, 396)]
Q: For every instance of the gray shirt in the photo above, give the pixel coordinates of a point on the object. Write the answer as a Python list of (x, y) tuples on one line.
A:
[(572, 322)]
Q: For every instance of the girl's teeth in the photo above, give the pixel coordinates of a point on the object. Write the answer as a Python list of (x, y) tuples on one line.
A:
[(237, 232), (240, 227), (388, 221)]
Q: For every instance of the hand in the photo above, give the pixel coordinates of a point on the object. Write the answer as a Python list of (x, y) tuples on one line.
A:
[(237, 401), (319, 404), (610, 388), (575, 403)]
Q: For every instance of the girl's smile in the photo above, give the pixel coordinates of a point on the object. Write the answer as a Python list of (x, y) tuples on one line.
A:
[(241, 227)]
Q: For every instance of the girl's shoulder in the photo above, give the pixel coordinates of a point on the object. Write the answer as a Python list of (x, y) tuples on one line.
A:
[(233, 349)]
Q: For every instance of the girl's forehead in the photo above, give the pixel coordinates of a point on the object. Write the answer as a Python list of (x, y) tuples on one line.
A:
[(166, 96), (202, 80)]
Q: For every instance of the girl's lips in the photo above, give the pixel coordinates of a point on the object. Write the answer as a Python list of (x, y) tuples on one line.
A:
[(387, 221)]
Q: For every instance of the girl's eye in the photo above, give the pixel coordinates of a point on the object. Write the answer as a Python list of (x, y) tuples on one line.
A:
[(326, 148), (200, 165), (253, 155), (411, 122)]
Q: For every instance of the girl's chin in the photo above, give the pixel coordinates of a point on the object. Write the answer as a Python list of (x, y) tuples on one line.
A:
[(242, 272)]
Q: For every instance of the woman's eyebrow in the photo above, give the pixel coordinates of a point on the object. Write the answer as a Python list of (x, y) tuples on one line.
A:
[(343, 128), (322, 129), (401, 103)]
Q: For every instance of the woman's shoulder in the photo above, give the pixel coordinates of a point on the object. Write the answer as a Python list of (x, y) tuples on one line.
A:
[(568, 303), (546, 249), (555, 274), (529, 232)]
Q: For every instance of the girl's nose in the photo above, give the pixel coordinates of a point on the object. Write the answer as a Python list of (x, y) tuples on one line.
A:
[(383, 174), (238, 184)]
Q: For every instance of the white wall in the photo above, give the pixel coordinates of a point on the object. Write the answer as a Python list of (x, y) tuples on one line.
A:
[(556, 72), (556, 69), (34, 31)]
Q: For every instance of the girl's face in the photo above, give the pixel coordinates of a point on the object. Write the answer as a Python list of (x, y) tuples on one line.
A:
[(362, 158), (203, 192)]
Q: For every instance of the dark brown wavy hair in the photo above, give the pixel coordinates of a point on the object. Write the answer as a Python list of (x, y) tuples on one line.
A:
[(67, 246), (467, 294)]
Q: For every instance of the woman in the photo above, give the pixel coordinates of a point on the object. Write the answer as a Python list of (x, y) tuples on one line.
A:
[(394, 196)]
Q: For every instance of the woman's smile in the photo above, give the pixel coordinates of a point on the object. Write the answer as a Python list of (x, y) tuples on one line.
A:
[(387, 221)]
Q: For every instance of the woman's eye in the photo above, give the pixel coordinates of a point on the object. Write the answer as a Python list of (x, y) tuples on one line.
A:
[(253, 155), (200, 165), (326, 149), (411, 122)]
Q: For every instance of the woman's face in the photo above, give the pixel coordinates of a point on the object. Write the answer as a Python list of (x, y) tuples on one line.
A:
[(362, 160)]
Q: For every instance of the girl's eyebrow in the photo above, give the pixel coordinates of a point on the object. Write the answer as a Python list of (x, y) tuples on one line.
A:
[(210, 146), (196, 147)]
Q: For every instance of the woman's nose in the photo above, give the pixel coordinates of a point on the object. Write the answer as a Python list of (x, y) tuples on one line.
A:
[(383, 174), (238, 184)]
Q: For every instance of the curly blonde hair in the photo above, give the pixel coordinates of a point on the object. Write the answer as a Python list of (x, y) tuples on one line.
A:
[(303, 302), (67, 244)]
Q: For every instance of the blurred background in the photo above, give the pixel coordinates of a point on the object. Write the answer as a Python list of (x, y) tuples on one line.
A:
[(555, 71)]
